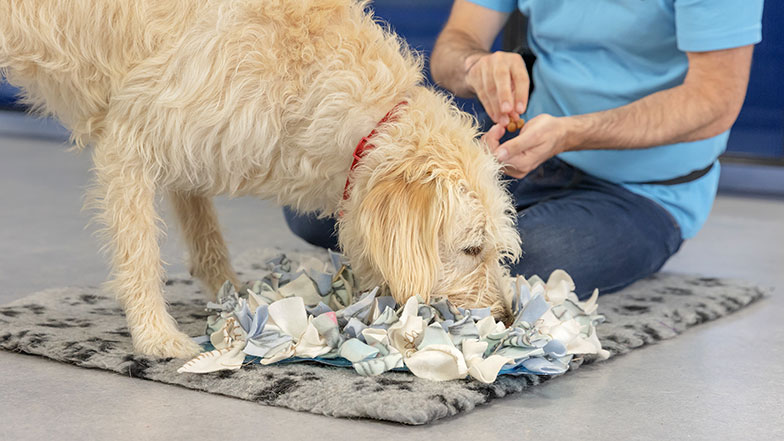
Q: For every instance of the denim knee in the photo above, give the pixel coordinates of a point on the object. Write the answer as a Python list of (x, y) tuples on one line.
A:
[(315, 231), (602, 241)]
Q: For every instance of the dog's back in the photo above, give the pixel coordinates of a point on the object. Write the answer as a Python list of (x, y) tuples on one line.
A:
[(212, 85), (69, 57)]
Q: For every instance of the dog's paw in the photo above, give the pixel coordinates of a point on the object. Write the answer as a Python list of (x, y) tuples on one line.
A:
[(173, 344)]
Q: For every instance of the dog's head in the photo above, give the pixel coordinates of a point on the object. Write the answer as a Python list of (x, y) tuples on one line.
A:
[(428, 213)]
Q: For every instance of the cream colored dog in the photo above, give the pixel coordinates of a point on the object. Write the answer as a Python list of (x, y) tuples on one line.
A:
[(269, 98)]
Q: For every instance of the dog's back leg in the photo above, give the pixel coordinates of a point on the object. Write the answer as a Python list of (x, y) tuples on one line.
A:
[(209, 257), (125, 196)]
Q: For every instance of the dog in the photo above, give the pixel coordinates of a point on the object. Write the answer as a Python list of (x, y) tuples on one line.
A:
[(197, 98)]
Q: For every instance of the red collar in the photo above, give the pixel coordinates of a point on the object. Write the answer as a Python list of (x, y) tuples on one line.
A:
[(364, 145)]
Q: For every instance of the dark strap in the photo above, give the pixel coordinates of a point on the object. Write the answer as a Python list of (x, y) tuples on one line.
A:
[(693, 176)]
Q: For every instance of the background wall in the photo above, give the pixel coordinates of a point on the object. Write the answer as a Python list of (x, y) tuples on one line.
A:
[(759, 130)]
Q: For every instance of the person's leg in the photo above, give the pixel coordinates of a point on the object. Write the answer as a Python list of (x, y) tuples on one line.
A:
[(319, 232), (603, 235)]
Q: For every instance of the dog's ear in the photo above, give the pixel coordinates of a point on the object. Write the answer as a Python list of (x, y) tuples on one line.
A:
[(400, 222)]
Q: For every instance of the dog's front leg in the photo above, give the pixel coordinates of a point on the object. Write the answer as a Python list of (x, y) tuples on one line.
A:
[(209, 257), (126, 199)]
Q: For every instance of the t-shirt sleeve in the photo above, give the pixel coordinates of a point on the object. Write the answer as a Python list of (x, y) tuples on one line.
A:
[(497, 5), (709, 25)]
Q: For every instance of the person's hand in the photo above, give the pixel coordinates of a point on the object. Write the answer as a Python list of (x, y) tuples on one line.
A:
[(500, 81), (540, 139)]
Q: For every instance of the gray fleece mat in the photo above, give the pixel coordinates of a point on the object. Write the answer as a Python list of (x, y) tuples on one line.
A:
[(85, 326)]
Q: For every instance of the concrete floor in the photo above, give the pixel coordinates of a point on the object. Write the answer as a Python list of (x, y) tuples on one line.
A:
[(722, 380)]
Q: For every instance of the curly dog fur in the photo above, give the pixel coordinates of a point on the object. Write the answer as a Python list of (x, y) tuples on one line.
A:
[(196, 98)]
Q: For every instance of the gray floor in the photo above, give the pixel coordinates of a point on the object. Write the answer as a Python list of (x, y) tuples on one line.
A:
[(722, 380)]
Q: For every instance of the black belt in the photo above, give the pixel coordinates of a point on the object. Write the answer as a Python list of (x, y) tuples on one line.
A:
[(693, 176)]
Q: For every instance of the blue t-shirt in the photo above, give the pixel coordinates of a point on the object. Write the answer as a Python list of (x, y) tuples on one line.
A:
[(595, 55)]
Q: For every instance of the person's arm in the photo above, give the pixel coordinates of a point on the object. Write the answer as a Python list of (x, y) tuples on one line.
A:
[(461, 63), (706, 104)]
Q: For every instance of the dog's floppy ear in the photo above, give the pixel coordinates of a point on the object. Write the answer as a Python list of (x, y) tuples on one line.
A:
[(400, 222)]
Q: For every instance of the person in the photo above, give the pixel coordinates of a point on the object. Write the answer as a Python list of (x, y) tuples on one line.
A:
[(617, 162)]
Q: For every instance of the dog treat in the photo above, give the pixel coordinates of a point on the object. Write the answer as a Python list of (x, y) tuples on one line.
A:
[(322, 316), (515, 124)]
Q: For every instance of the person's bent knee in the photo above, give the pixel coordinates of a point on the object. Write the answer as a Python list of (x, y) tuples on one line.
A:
[(311, 229)]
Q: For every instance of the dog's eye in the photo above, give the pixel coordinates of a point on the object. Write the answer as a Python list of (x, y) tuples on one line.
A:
[(473, 251)]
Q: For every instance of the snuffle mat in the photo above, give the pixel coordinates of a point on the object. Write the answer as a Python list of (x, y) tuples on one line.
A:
[(316, 313)]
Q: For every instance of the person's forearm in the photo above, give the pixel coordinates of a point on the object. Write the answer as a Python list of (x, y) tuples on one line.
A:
[(448, 61), (705, 105), (667, 117)]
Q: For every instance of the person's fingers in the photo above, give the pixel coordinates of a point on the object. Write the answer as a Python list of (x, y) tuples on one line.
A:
[(534, 133), (524, 163), (493, 137), (501, 83), (520, 165), (521, 85), (491, 96), (515, 123), (532, 146), (483, 99), (514, 146), (503, 86), (513, 172), (509, 148)]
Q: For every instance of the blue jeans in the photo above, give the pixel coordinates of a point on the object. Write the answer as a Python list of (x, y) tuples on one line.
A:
[(603, 235)]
